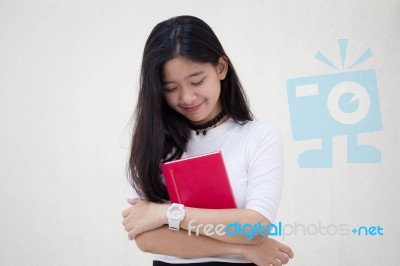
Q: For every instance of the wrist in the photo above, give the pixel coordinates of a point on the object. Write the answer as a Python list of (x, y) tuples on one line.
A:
[(163, 210)]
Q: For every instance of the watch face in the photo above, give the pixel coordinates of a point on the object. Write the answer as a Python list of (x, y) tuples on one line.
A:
[(176, 213)]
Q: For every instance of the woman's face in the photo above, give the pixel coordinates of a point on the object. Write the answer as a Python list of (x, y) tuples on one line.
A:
[(193, 89)]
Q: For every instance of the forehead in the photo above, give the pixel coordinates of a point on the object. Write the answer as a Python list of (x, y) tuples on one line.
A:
[(179, 68)]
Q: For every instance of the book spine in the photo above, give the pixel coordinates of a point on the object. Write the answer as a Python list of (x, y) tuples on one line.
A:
[(175, 186)]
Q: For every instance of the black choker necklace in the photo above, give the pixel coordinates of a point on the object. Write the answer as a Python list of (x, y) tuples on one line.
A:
[(212, 122)]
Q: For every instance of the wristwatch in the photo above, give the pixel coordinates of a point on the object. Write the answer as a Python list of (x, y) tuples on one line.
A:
[(175, 215)]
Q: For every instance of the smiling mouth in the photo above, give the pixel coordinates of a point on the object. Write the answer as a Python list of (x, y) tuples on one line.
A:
[(194, 108)]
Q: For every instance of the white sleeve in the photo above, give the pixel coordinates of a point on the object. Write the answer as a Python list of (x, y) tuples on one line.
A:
[(265, 171), (132, 194)]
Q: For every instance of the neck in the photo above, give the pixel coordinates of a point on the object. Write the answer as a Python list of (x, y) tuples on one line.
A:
[(219, 119)]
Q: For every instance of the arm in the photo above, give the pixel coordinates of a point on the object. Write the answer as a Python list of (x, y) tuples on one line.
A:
[(195, 220), (175, 243), (144, 216)]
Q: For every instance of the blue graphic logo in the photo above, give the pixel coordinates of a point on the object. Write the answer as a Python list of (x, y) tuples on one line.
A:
[(281, 229), (325, 106)]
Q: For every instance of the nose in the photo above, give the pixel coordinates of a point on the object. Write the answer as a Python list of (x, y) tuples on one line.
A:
[(187, 96)]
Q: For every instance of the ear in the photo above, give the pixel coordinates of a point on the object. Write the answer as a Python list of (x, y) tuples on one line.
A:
[(222, 68)]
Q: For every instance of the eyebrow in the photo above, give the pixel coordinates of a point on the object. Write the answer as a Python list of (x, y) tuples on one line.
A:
[(191, 75)]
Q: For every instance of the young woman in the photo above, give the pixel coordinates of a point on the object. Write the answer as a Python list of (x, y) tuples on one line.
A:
[(191, 102)]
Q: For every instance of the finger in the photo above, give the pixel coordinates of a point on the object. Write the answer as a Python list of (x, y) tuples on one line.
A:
[(287, 250), (126, 212), (132, 234), (283, 258), (129, 227), (275, 262), (125, 221)]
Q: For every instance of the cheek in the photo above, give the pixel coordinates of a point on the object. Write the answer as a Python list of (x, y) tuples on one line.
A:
[(215, 90)]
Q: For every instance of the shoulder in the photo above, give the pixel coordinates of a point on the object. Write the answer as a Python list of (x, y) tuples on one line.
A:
[(262, 139), (261, 129)]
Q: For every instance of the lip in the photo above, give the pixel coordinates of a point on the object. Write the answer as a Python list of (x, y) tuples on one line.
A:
[(193, 108)]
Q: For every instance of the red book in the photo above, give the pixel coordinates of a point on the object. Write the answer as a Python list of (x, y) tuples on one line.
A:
[(200, 181)]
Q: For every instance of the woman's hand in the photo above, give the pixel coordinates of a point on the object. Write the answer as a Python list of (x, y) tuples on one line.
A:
[(268, 252), (143, 216)]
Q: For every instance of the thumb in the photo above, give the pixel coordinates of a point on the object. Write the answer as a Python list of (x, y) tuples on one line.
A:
[(131, 201)]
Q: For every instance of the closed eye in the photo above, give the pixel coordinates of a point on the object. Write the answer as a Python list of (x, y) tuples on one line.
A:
[(198, 83), (169, 89)]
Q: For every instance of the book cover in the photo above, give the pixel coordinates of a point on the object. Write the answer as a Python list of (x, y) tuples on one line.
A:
[(200, 181)]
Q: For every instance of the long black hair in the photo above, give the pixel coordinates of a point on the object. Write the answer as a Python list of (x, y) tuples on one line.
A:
[(161, 134)]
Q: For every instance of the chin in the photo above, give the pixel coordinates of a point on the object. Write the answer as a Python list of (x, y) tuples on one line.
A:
[(196, 119)]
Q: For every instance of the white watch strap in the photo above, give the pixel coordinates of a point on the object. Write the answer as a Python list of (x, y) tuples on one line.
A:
[(174, 224)]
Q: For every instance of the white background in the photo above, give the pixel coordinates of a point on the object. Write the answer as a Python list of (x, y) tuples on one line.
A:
[(68, 84)]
